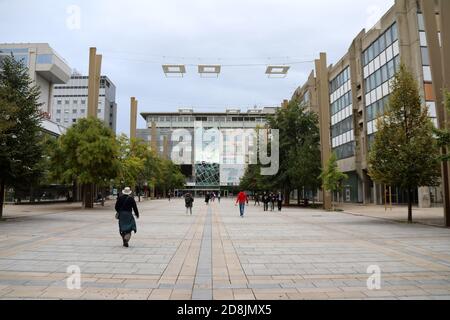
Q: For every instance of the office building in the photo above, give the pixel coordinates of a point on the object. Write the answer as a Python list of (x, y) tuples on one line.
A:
[(203, 167), (359, 89), (70, 101), (46, 68)]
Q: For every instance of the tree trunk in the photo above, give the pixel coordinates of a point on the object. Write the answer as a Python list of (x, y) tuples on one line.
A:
[(2, 196), (88, 196), (409, 205), (286, 197)]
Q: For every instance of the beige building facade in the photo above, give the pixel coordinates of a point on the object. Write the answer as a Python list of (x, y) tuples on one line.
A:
[(359, 89)]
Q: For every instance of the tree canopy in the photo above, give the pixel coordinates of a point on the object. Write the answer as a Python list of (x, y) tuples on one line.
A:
[(405, 152), (20, 131), (87, 152)]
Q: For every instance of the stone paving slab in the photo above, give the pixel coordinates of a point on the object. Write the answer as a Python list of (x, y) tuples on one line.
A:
[(215, 254)]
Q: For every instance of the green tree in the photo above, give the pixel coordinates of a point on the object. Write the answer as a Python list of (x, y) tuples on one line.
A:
[(132, 155), (404, 152), (252, 180), (88, 153), (299, 161), (20, 130), (332, 177), (169, 177)]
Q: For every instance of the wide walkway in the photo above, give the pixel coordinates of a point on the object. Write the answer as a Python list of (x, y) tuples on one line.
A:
[(215, 254)]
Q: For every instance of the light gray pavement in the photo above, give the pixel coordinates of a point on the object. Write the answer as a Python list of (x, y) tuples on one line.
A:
[(215, 254)]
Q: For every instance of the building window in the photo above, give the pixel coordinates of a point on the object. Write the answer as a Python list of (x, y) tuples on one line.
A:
[(99, 110), (75, 101), (59, 102), (83, 101), (44, 58), (74, 111), (74, 120), (82, 110), (58, 111), (58, 120), (66, 101), (425, 56)]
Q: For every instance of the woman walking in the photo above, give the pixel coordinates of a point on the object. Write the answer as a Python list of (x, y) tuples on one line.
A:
[(124, 207), (188, 200)]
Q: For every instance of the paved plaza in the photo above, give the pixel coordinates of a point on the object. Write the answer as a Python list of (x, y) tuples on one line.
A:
[(215, 254)]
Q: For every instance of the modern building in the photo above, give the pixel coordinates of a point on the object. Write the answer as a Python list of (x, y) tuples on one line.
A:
[(70, 101), (358, 86), (204, 166), (46, 68)]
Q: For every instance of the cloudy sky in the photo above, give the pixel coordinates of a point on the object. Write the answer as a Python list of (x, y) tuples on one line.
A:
[(137, 37)]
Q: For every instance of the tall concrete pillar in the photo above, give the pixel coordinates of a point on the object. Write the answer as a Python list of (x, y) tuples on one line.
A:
[(324, 117), (95, 65), (133, 117), (98, 68), (440, 73)]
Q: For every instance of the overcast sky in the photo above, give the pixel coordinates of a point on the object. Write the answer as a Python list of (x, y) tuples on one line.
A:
[(137, 37)]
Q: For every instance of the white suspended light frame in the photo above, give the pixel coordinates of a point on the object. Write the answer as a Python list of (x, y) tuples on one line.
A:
[(209, 70), (174, 70), (277, 71), (213, 70)]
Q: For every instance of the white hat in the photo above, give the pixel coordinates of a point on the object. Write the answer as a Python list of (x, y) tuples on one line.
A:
[(127, 191)]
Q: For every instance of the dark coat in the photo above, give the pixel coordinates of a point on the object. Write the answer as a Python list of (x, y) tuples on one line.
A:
[(124, 206), (188, 200)]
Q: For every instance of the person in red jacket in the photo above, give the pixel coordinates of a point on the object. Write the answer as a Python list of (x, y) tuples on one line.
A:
[(242, 199)]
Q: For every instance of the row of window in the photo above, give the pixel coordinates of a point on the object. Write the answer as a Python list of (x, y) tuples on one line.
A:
[(59, 102), (341, 115), (345, 151), (340, 79), (344, 138), (71, 87), (342, 127), (385, 56), (74, 111), (382, 75), (379, 45), (376, 109), (341, 103), (206, 119), (73, 95)]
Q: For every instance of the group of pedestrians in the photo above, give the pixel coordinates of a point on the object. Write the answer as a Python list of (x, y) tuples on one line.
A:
[(211, 196), (269, 199), (125, 205)]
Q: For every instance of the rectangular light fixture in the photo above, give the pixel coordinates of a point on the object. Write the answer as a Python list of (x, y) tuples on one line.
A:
[(208, 71), (277, 71), (174, 70)]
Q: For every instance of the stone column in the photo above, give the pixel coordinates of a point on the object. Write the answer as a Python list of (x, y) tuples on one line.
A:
[(324, 117)]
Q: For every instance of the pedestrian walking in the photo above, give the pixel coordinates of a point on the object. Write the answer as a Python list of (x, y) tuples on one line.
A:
[(218, 197), (207, 197), (256, 199), (272, 201), (242, 199), (188, 200), (265, 200), (125, 205), (280, 200)]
